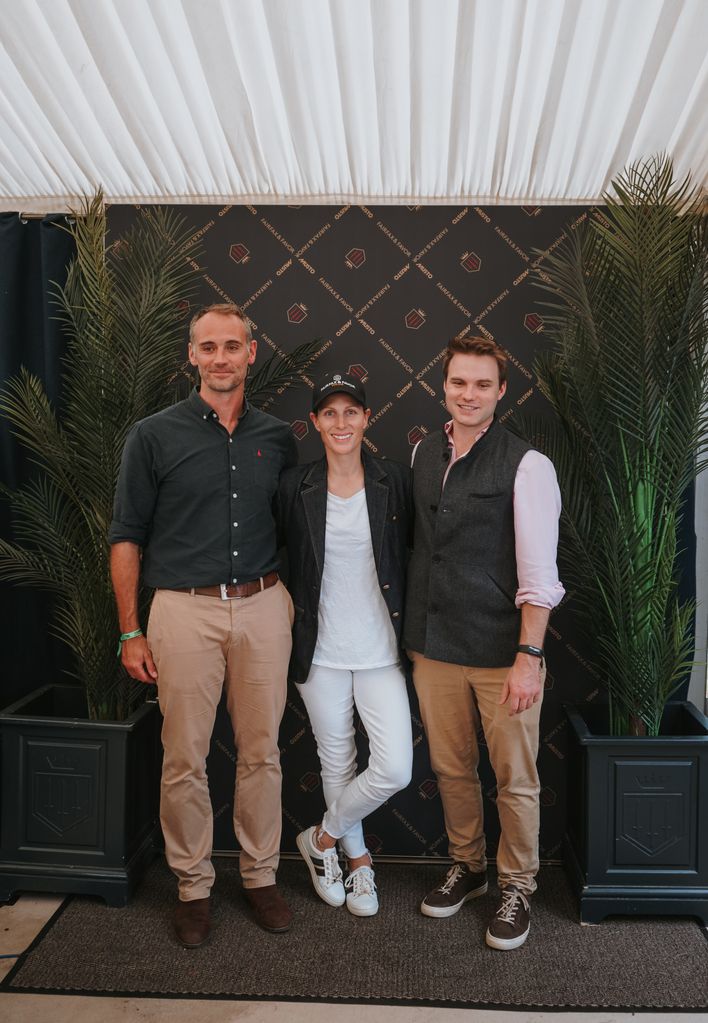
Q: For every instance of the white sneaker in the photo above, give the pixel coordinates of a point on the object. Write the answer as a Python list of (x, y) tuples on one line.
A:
[(324, 868), (362, 899)]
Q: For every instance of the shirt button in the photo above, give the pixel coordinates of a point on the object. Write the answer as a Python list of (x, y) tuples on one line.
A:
[(233, 466), (231, 440), (233, 580), (386, 586), (234, 495), (235, 554), (396, 614), (235, 523)]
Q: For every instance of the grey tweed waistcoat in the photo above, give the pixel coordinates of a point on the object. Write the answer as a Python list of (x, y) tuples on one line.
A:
[(462, 577)]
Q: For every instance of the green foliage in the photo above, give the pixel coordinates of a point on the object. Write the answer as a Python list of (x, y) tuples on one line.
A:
[(124, 324), (124, 312), (627, 375)]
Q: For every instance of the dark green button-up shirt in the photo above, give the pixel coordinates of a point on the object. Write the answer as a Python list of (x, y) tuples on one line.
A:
[(199, 501)]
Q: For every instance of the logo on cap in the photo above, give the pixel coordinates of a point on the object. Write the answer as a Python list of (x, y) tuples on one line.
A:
[(337, 378)]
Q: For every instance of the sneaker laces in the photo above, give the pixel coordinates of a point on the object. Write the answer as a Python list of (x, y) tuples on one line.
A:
[(453, 876), (511, 899), (361, 881), (330, 862)]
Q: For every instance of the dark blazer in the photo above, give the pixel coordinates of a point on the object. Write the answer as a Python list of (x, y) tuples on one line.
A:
[(301, 515)]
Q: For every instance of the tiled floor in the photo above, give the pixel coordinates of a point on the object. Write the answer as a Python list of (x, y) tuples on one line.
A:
[(20, 923)]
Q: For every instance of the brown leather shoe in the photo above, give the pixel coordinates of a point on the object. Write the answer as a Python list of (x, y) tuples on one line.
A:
[(192, 924), (270, 910)]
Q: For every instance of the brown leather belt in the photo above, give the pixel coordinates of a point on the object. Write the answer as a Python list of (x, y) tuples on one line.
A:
[(229, 591)]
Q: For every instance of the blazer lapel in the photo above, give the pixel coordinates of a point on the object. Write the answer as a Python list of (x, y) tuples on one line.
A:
[(376, 502), (314, 500)]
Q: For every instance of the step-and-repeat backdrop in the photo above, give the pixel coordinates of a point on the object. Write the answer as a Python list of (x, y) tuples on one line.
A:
[(384, 288)]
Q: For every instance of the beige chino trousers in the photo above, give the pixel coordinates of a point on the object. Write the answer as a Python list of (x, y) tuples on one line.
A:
[(455, 702), (202, 646)]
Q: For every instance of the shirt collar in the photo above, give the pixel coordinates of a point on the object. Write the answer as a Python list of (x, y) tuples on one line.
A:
[(205, 411), (450, 439)]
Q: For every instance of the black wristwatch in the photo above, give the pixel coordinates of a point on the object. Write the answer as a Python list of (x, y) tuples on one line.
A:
[(535, 651)]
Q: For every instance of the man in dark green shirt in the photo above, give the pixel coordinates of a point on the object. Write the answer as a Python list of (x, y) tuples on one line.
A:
[(193, 512)]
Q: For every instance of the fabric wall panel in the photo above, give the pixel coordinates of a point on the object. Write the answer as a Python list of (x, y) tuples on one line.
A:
[(385, 288)]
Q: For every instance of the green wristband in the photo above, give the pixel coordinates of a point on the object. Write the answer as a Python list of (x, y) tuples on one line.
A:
[(127, 635)]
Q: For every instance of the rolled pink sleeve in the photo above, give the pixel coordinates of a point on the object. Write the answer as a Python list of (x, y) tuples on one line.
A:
[(537, 506)]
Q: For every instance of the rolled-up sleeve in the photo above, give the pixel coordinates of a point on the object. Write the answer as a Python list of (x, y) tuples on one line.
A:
[(537, 507), (136, 492)]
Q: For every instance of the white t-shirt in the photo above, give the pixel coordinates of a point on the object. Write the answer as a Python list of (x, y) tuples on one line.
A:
[(354, 629)]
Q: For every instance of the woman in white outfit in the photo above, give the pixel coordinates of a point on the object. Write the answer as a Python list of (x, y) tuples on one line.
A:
[(346, 522)]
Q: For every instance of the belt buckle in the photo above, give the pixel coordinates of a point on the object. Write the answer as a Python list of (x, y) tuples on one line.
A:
[(224, 594)]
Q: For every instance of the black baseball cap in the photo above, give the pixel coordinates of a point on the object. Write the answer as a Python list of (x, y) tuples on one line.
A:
[(338, 383)]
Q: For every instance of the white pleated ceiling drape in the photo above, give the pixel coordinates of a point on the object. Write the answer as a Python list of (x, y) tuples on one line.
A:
[(318, 101)]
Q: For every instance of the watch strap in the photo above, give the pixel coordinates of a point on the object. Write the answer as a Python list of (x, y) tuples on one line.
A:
[(526, 648)]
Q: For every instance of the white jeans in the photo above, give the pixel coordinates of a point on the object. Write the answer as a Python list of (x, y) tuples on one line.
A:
[(380, 697)]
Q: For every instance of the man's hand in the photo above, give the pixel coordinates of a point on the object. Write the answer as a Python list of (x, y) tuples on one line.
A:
[(522, 687), (137, 660)]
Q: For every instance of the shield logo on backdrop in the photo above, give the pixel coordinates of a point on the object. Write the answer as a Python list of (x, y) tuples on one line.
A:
[(359, 371), (470, 262), (533, 322), (297, 312), (415, 434), (355, 258), (239, 253), (428, 789), (299, 428), (373, 843), (414, 319), (310, 781)]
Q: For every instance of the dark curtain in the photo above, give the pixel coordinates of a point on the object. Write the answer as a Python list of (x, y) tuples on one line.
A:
[(34, 254)]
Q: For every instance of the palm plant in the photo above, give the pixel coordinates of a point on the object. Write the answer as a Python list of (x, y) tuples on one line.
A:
[(627, 376), (123, 309)]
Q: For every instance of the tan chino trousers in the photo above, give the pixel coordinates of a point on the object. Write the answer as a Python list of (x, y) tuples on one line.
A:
[(455, 701), (201, 646)]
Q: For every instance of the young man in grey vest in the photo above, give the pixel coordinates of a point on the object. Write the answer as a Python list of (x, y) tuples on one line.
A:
[(481, 584)]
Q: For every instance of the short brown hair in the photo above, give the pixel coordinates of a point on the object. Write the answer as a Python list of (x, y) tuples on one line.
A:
[(475, 346), (222, 309)]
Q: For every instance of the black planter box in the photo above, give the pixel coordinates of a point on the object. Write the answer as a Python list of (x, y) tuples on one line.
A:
[(636, 839), (79, 799)]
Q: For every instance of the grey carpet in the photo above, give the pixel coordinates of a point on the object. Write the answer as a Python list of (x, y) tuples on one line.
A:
[(398, 956)]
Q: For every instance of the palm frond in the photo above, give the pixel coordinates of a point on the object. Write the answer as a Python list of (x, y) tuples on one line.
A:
[(122, 309), (279, 371), (626, 376)]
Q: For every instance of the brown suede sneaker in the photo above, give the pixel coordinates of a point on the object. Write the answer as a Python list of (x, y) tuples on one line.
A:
[(270, 910), (460, 885), (192, 924), (512, 921)]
